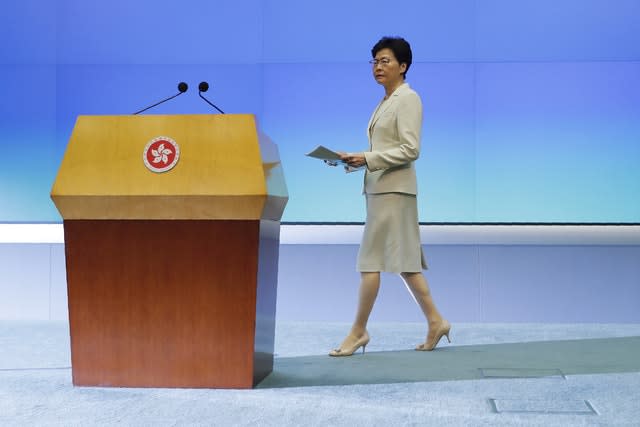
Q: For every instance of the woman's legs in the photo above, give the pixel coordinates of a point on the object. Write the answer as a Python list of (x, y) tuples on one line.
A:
[(369, 286), (417, 284)]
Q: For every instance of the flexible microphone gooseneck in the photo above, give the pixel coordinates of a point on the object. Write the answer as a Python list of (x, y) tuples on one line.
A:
[(203, 87), (182, 87)]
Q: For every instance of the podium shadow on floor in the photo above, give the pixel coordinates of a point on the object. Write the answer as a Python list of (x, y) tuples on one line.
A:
[(452, 363)]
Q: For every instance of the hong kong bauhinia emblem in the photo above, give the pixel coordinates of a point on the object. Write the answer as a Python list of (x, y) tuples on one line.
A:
[(161, 154)]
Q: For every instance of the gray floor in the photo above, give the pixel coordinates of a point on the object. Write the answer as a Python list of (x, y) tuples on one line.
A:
[(491, 374)]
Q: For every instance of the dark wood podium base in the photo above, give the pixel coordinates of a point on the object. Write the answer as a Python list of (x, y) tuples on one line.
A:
[(171, 303)]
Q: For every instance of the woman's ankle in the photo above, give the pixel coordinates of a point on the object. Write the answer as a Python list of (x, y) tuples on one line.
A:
[(358, 331), (435, 321)]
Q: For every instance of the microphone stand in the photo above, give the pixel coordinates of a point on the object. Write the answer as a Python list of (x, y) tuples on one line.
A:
[(182, 87), (158, 103), (209, 102)]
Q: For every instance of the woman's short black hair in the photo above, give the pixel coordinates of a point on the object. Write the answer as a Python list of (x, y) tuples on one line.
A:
[(400, 48)]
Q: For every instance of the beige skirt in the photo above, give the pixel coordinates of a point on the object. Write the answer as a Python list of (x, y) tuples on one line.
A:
[(391, 239)]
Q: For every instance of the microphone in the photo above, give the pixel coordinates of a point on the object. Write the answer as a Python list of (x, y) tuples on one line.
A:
[(182, 88), (203, 87)]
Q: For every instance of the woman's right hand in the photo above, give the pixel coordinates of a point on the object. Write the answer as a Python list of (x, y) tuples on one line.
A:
[(355, 160)]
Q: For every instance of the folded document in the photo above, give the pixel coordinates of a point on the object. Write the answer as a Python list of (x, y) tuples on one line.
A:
[(331, 158)]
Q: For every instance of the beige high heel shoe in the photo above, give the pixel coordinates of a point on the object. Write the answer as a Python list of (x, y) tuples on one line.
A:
[(362, 342), (443, 330)]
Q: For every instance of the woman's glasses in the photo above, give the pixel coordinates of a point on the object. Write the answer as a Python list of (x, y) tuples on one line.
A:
[(383, 62)]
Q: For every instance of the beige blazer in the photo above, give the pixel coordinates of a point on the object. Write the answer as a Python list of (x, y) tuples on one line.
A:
[(394, 143)]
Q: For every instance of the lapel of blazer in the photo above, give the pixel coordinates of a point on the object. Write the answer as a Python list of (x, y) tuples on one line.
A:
[(384, 107), (370, 125)]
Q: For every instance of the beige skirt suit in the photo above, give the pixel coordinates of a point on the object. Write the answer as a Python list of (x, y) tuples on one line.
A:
[(391, 239)]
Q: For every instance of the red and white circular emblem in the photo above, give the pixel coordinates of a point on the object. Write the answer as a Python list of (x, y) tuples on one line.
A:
[(161, 154)]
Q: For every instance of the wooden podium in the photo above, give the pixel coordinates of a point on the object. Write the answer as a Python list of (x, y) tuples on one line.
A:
[(172, 275)]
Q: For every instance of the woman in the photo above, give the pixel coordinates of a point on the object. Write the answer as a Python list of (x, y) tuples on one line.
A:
[(391, 240)]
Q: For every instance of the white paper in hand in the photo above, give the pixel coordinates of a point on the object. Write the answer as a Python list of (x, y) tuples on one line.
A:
[(323, 153), (331, 158)]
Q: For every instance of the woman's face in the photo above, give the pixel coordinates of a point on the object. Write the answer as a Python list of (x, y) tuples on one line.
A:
[(386, 69)]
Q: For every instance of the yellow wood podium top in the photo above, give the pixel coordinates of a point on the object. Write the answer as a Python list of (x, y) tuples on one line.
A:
[(225, 169)]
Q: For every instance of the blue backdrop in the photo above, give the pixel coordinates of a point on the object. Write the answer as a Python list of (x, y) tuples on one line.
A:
[(531, 109)]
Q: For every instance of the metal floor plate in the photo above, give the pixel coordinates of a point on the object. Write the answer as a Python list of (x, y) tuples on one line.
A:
[(521, 373), (542, 406)]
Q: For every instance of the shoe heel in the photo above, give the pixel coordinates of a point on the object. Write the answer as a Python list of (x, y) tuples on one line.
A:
[(447, 335), (363, 347)]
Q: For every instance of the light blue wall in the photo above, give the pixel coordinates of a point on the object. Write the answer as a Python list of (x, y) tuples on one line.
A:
[(471, 283)]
